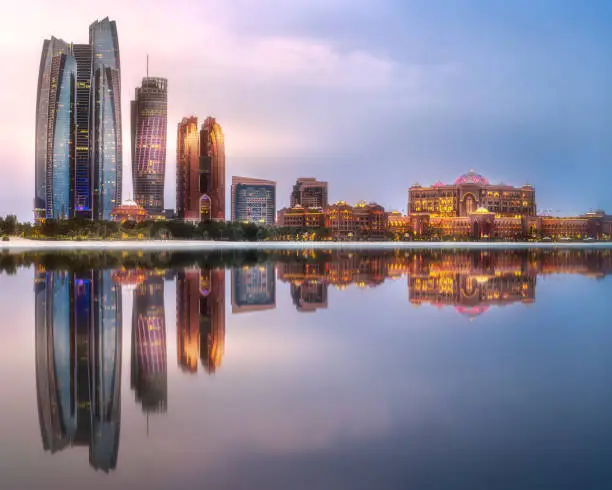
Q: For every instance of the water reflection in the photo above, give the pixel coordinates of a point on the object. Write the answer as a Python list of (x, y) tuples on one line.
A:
[(78, 321), (200, 318), (78, 363)]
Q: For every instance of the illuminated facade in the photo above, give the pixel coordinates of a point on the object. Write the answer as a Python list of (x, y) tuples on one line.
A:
[(253, 200), (78, 362), (78, 127), (468, 193), (129, 211), (188, 170), (149, 118), (212, 171), (364, 220), (200, 318), (253, 288), (299, 217), (149, 377), (308, 192)]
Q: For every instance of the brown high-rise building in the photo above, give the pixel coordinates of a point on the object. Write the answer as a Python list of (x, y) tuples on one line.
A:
[(188, 169), (212, 171), (308, 192), (188, 319)]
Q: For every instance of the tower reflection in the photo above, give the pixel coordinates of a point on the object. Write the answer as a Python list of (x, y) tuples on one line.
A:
[(78, 362), (149, 376), (200, 318)]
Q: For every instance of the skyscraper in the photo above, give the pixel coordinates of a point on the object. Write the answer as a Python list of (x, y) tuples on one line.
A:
[(149, 116), (253, 200), (78, 127), (212, 171), (105, 118), (51, 49), (308, 192), (188, 169)]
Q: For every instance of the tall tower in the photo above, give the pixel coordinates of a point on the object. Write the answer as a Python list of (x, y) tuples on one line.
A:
[(149, 117), (51, 48), (106, 144), (188, 169), (78, 127), (212, 171)]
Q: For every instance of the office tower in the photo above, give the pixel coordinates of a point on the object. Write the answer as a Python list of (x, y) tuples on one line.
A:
[(308, 192), (149, 378), (188, 169), (149, 115), (212, 171), (78, 127), (254, 288), (78, 363), (200, 318), (253, 200), (106, 144)]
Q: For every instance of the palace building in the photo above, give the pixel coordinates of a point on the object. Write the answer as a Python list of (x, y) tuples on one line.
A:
[(474, 208)]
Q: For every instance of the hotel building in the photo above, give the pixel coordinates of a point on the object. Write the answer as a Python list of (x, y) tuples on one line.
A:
[(253, 200), (200, 171), (254, 288)]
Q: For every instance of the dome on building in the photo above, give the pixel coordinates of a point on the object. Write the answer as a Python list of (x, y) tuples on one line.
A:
[(471, 311), (482, 211), (472, 178), (439, 183)]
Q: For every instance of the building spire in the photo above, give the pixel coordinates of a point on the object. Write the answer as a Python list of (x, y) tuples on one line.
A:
[(147, 65)]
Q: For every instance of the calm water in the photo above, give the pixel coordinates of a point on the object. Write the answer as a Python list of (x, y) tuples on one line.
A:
[(425, 370)]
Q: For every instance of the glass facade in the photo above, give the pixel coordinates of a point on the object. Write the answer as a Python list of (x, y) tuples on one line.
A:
[(78, 127), (106, 118), (212, 167), (149, 118), (187, 169), (253, 200), (51, 48), (60, 129), (254, 288)]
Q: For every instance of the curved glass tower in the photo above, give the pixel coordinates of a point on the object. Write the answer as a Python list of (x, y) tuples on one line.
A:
[(60, 127), (149, 118), (106, 143), (51, 48)]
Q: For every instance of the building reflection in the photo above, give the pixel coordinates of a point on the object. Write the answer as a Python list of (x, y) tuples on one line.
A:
[(149, 375), (78, 362), (200, 318), (470, 281), (254, 288)]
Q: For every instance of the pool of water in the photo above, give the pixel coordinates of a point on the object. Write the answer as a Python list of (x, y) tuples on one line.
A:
[(307, 369)]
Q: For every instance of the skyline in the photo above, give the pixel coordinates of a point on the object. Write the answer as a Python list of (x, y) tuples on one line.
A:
[(516, 92)]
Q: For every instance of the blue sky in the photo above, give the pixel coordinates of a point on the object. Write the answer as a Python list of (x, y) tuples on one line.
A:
[(369, 95)]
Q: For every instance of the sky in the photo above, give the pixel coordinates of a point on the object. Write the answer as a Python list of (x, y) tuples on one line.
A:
[(370, 95)]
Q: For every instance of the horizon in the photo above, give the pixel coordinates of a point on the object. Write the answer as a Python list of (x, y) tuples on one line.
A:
[(518, 93)]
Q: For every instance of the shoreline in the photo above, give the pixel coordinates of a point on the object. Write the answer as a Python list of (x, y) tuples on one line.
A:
[(25, 245)]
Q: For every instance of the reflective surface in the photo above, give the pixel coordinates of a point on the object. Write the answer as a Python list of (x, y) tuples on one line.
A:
[(417, 369)]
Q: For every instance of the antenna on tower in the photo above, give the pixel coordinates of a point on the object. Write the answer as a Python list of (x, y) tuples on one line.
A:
[(147, 65)]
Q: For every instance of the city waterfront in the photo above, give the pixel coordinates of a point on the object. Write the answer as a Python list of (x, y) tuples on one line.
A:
[(395, 368)]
